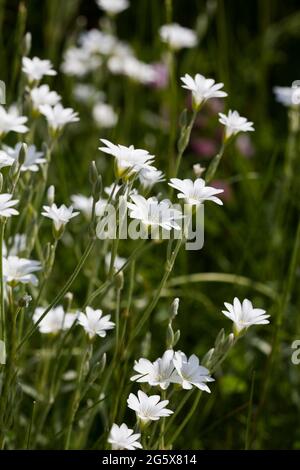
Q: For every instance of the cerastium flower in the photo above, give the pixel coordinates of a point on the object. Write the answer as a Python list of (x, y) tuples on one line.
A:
[(244, 315), (148, 408), (121, 437)]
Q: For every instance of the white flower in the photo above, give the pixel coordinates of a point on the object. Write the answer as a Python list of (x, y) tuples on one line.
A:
[(78, 62), (60, 215), (150, 176), (121, 437), (96, 42), (190, 372), (195, 192), (112, 7), (288, 96), (112, 188), (235, 123), (32, 160), (129, 160), (87, 93), (85, 205), (94, 323), (202, 88), (16, 245), (244, 315), (6, 205), (177, 36), (11, 121), (138, 71), (148, 408), (118, 261), (160, 372), (43, 95), (17, 269), (36, 68), (58, 116), (154, 213), (104, 115), (55, 320)]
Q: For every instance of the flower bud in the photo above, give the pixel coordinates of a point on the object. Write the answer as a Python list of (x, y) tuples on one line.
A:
[(27, 44), (51, 195), (22, 154), (93, 173), (24, 301)]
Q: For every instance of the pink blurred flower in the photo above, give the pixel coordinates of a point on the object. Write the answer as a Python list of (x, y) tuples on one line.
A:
[(227, 194), (161, 75), (244, 145), (204, 147)]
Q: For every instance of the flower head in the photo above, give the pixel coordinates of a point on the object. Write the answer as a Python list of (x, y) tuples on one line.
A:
[(121, 437), (287, 95), (129, 160), (36, 68), (58, 116), (158, 373), (202, 88), (148, 408), (60, 215), (11, 121), (32, 161), (195, 192), (94, 323), (150, 176), (55, 320), (104, 115), (234, 123), (42, 95), (190, 372), (112, 7), (17, 269), (154, 213), (6, 205), (244, 314), (177, 36)]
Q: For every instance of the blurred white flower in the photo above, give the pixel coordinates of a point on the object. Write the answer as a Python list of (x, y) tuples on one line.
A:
[(122, 438), (60, 215), (287, 95), (36, 68), (87, 93), (55, 320), (43, 95), (150, 176), (195, 192), (113, 7), (16, 245), (118, 261), (78, 63), (158, 373), (154, 213), (109, 189), (129, 160), (244, 314), (148, 408), (202, 88), (85, 205), (11, 121), (32, 160), (234, 123), (95, 41), (190, 372), (104, 115), (17, 269), (6, 205), (94, 323), (177, 36), (58, 116)]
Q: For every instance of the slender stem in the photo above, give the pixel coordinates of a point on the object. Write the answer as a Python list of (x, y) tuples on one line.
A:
[(2, 309), (62, 292), (211, 171), (186, 139), (191, 413), (169, 266)]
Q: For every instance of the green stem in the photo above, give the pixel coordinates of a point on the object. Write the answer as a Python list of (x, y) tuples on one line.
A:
[(62, 292), (2, 309)]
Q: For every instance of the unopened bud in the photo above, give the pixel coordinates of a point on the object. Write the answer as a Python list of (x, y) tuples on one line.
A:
[(198, 169), (51, 195), (27, 44), (119, 281), (93, 173), (22, 154), (25, 301)]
